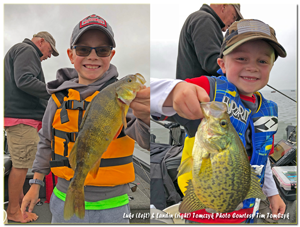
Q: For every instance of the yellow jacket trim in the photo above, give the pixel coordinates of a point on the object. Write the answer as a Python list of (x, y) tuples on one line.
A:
[(186, 152)]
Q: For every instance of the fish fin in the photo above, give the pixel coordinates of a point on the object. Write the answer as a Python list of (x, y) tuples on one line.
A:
[(95, 168), (255, 190), (72, 156), (190, 201), (185, 166), (74, 203), (118, 133), (124, 116)]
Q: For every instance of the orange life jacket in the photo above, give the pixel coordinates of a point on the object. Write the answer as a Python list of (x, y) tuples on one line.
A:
[(116, 165)]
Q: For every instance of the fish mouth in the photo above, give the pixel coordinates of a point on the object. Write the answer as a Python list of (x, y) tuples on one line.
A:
[(127, 92), (132, 93), (124, 101), (213, 134), (140, 78)]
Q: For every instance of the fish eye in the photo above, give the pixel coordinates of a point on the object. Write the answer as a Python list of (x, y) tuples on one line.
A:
[(223, 123)]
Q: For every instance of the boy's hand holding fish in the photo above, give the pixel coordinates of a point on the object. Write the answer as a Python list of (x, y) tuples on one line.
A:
[(185, 99), (141, 105)]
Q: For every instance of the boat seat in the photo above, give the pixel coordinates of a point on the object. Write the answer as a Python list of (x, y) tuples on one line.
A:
[(6, 169), (7, 164)]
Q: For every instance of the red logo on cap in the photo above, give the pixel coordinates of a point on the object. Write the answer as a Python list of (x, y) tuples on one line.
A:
[(93, 19)]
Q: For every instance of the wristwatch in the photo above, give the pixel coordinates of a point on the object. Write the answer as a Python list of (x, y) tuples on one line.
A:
[(36, 181)]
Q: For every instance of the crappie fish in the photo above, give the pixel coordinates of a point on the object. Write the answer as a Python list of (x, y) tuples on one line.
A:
[(102, 122), (221, 173)]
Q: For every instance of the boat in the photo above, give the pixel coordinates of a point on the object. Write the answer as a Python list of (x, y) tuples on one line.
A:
[(273, 91)]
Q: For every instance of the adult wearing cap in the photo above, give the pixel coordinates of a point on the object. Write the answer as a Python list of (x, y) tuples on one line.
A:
[(25, 101), (201, 38)]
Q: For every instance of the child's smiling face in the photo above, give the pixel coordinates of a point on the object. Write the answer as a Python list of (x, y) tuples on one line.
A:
[(91, 67), (248, 66)]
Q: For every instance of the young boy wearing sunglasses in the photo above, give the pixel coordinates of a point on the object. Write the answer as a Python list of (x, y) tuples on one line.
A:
[(91, 50)]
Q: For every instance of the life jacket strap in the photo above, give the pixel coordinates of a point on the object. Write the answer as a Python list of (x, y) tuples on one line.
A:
[(71, 105), (69, 136), (60, 160), (106, 162)]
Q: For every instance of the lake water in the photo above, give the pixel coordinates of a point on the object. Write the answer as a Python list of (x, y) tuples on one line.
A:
[(287, 111), (287, 115)]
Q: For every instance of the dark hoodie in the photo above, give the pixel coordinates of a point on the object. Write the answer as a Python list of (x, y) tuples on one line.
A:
[(25, 94), (199, 46), (136, 129)]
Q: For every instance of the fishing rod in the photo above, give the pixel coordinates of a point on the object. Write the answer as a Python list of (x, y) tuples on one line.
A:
[(281, 93), (221, 73)]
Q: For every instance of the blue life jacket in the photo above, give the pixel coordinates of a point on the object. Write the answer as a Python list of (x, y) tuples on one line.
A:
[(263, 123)]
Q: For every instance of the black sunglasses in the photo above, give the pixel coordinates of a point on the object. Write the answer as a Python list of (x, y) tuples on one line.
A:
[(84, 51)]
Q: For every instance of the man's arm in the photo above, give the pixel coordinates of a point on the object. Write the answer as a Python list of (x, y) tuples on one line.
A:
[(26, 69), (31, 85)]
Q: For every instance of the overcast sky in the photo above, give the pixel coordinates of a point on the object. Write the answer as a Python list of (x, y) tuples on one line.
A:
[(130, 24), (165, 35), (146, 34)]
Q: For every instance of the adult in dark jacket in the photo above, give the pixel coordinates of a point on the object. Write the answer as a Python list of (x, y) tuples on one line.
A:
[(201, 38), (25, 100)]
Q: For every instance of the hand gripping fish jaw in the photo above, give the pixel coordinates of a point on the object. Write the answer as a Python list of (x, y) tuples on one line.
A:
[(127, 92)]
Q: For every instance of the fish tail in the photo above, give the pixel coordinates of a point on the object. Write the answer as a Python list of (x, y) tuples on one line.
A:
[(74, 203)]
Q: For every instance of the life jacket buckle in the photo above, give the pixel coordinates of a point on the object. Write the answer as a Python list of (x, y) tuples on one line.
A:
[(71, 136), (78, 104)]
